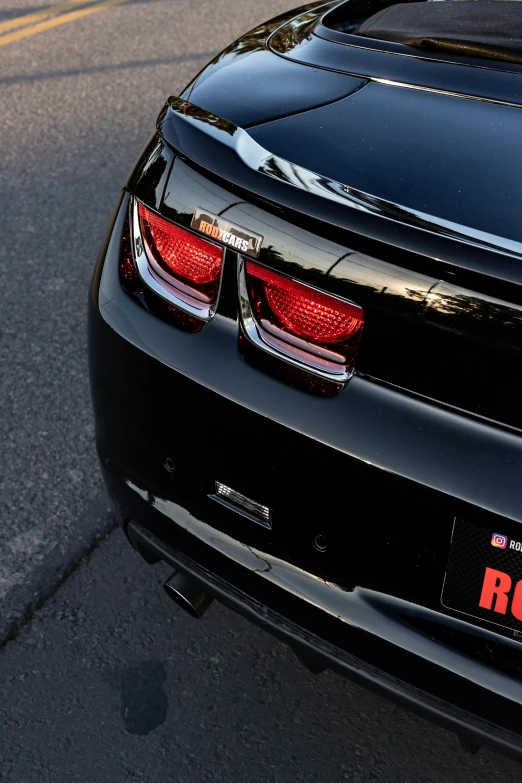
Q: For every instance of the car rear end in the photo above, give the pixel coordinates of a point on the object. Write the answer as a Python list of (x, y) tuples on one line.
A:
[(307, 400)]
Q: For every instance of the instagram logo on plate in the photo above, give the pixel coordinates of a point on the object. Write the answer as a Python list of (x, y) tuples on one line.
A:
[(499, 541)]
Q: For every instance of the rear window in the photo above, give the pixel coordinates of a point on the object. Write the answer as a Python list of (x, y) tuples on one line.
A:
[(490, 29)]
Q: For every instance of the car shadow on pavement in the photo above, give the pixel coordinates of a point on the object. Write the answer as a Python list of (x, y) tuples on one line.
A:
[(111, 682)]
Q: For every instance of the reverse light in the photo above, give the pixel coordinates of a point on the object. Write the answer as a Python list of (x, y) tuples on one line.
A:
[(180, 267), (310, 329)]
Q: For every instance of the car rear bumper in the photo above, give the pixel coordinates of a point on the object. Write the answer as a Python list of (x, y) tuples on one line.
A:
[(292, 625), (378, 473)]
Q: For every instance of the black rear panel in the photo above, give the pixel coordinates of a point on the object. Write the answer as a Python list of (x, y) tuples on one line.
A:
[(443, 338)]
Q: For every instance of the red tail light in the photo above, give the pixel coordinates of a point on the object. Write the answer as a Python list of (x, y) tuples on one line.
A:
[(311, 329), (179, 267), (182, 257)]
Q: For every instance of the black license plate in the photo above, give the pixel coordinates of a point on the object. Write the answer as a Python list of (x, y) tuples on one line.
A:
[(484, 575)]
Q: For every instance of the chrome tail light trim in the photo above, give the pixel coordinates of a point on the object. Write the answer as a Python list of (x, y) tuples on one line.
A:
[(294, 351), (154, 278)]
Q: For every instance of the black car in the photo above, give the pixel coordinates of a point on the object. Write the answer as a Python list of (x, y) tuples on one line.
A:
[(305, 334)]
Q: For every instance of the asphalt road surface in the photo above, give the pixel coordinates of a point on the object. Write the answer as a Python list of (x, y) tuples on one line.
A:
[(79, 97), (102, 679), (112, 682)]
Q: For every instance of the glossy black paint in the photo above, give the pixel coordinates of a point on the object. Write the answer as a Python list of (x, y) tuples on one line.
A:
[(382, 141), (438, 333), (251, 84), (149, 177), (215, 146), (368, 420), (379, 471), (307, 40), (248, 84), (132, 356)]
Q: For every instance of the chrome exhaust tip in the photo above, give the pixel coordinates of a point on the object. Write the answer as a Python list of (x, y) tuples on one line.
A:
[(188, 594)]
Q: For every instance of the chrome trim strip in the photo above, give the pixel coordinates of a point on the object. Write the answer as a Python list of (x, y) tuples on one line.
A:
[(255, 157), (254, 332), (146, 265), (449, 93)]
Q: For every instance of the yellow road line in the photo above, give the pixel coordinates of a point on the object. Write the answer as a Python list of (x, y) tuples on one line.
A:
[(45, 13), (59, 20)]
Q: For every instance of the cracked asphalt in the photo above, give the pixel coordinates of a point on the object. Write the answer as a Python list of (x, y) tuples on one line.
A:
[(78, 103), (104, 679)]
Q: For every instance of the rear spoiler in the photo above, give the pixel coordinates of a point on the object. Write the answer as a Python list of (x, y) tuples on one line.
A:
[(228, 152)]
